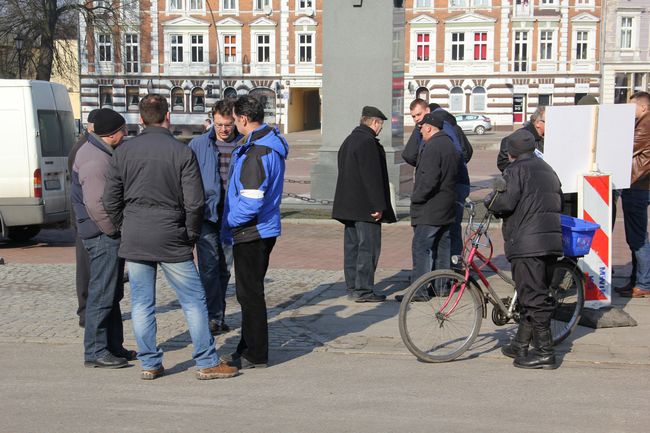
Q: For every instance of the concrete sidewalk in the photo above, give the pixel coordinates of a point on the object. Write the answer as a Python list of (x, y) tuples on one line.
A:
[(352, 328)]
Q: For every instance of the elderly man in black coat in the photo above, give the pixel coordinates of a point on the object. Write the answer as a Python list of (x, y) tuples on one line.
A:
[(532, 234), (362, 203)]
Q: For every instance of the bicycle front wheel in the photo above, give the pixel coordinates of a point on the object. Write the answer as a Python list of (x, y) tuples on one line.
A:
[(431, 327), (567, 289)]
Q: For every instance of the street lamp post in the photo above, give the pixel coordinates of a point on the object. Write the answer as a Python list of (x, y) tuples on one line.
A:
[(19, 41)]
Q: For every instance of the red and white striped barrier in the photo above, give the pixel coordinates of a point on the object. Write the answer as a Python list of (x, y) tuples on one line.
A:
[(595, 205)]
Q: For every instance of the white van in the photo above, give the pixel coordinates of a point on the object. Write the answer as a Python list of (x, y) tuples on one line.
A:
[(38, 130)]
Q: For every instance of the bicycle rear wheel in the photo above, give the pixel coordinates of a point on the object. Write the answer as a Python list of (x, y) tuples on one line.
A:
[(567, 289), (427, 331)]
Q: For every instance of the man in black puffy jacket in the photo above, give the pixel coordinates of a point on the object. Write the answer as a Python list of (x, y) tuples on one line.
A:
[(433, 197), (536, 126), (532, 234)]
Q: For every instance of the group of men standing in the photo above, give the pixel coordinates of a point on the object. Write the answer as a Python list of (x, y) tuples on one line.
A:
[(530, 206), (149, 201), (439, 151)]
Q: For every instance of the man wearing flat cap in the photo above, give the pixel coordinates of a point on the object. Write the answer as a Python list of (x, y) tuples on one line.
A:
[(362, 202), (433, 199), (532, 234), (103, 335)]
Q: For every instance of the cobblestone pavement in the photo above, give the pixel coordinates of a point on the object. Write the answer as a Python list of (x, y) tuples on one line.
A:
[(38, 304)]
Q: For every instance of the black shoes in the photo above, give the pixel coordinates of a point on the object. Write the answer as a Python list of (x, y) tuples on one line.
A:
[(107, 361), (235, 359), (367, 297), (217, 328), (518, 347), (129, 355), (542, 355)]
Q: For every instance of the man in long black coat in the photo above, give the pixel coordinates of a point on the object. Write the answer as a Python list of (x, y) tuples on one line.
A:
[(362, 203), (532, 235)]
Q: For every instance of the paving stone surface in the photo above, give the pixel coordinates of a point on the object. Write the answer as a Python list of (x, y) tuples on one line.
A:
[(38, 304)]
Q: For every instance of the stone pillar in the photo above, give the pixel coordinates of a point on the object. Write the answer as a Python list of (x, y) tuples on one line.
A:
[(363, 64)]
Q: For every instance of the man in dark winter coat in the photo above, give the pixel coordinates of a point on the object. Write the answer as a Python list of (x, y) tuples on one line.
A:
[(532, 234), (536, 127), (103, 334), (154, 194), (82, 268), (462, 145), (433, 197), (362, 202)]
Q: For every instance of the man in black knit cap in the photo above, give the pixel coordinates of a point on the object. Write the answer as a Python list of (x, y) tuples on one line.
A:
[(532, 234), (103, 335), (82, 261)]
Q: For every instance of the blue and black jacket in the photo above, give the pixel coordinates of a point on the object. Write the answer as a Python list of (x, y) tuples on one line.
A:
[(254, 192)]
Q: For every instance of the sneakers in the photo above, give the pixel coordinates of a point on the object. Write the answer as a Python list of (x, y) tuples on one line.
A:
[(219, 371), (152, 374)]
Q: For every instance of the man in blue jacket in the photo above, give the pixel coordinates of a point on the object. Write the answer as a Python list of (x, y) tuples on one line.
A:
[(213, 152), (251, 221)]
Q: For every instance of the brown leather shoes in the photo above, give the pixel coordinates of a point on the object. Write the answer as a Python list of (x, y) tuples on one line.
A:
[(636, 292), (219, 371), (152, 374)]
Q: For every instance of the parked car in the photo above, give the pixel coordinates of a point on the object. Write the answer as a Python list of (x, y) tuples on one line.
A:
[(38, 131), (476, 123)]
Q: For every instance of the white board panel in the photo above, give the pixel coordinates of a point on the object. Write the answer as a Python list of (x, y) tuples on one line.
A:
[(616, 142), (567, 142)]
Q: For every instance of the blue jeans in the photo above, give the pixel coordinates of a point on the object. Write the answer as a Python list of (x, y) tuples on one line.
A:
[(456, 230), (214, 269), (430, 249), (184, 279), (635, 214), (103, 330)]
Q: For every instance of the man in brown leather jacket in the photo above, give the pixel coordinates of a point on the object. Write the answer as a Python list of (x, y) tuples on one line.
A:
[(637, 198)]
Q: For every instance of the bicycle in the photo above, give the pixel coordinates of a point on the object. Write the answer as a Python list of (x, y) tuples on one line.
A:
[(440, 315)]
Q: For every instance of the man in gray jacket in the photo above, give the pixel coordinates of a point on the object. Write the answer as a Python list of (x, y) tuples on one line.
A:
[(155, 194), (103, 336)]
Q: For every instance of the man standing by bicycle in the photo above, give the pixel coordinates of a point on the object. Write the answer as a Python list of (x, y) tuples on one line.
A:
[(433, 197), (531, 207)]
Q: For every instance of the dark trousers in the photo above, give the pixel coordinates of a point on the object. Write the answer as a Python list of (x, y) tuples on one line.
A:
[(82, 278), (213, 269), (251, 263), (430, 249), (361, 249), (456, 229), (635, 214), (532, 283), (104, 331)]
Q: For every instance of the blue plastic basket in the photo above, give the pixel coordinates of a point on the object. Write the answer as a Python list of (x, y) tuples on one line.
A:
[(577, 235)]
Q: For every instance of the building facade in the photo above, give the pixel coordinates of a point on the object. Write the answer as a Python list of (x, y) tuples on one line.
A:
[(626, 60), (195, 52), (500, 58)]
